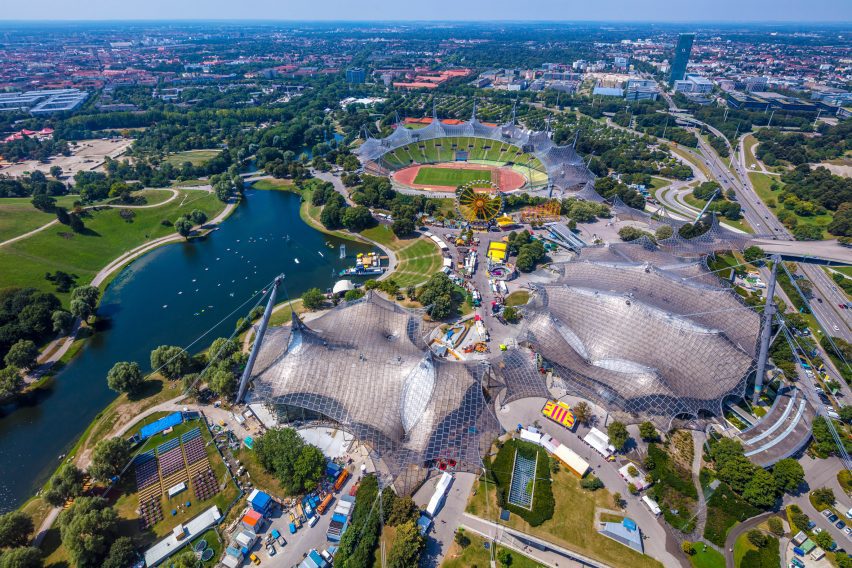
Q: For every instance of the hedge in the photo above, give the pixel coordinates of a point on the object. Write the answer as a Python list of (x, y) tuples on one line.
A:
[(500, 473)]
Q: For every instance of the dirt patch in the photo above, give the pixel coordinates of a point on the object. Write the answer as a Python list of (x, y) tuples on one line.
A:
[(506, 178), (85, 155), (843, 170)]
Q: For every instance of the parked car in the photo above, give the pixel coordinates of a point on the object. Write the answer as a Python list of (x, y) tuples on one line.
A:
[(840, 524), (848, 531), (832, 518), (826, 513), (270, 548), (255, 560)]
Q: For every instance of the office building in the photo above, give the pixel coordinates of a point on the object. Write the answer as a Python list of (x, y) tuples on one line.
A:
[(356, 75), (681, 57)]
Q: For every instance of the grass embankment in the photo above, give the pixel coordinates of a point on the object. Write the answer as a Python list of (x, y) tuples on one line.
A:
[(572, 526), (750, 159), (195, 157), (273, 184), (659, 183), (18, 216), (417, 258), (706, 557), (106, 237), (694, 160), (517, 298), (762, 184), (477, 555), (747, 555), (674, 490)]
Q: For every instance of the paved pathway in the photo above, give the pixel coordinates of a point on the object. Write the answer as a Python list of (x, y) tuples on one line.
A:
[(739, 529)]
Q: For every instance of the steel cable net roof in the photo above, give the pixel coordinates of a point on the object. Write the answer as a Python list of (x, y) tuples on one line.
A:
[(639, 339), (365, 366), (564, 167)]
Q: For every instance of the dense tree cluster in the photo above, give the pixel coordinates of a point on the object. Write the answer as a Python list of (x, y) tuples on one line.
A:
[(756, 485), (297, 465), (796, 148), (440, 295), (529, 252), (609, 188), (35, 184), (26, 319), (31, 148), (722, 204)]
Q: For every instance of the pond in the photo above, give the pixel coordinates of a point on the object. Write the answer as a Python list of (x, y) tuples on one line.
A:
[(172, 296)]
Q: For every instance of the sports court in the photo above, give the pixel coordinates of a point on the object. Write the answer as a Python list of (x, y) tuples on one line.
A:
[(522, 488)]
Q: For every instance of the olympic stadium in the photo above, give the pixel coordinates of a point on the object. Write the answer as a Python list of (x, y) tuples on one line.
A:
[(441, 156)]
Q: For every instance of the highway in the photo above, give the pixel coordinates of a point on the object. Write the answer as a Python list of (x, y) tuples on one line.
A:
[(777, 238)]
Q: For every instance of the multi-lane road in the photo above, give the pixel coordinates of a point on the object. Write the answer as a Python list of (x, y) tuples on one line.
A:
[(777, 238)]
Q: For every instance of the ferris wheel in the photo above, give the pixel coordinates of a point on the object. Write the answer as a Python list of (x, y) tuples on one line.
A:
[(479, 201)]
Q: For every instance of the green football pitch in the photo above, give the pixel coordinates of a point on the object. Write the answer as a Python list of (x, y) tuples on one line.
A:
[(449, 177)]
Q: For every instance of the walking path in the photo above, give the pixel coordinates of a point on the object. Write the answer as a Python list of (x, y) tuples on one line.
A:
[(739, 529), (174, 195)]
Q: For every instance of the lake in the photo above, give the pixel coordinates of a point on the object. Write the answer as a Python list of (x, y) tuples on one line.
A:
[(171, 295)]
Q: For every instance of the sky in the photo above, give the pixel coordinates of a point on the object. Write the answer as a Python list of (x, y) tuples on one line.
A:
[(595, 10)]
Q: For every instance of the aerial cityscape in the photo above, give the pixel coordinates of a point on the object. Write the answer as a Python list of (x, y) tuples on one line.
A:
[(438, 285)]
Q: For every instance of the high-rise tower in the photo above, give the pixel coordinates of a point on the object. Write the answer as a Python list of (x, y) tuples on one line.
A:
[(681, 57)]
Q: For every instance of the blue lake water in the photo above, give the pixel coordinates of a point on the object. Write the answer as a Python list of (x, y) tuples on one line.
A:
[(169, 296)]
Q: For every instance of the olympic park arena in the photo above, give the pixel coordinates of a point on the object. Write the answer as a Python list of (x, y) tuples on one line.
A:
[(441, 156), (643, 329)]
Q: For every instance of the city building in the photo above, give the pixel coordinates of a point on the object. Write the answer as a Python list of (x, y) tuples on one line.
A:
[(43, 102), (356, 75), (693, 84), (681, 57)]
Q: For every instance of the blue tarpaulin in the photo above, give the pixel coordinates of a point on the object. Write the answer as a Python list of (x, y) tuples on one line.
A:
[(163, 423)]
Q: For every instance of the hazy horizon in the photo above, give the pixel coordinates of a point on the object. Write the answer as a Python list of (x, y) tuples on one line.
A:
[(616, 11)]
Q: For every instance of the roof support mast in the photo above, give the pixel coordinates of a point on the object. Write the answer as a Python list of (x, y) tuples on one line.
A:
[(766, 332), (258, 340)]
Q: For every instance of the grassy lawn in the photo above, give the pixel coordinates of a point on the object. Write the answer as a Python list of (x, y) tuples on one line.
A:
[(706, 557), (18, 216), (196, 157), (450, 177), (659, 183), (572, 525), (741, 546), (762, 186), (273, 184), (750, 158), (740, 223), (693, 160), (107, 236), (477, 555), (417, 259), (518, 298)]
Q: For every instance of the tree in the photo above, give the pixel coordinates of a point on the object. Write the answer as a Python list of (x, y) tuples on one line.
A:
[(618, 435), (23, 557), (357, 218), (687, 547), (632, 471), (198, 217), (171, 361), (461, 539), (511, 314), (10, 381), (591, 483), (15, 529), (440, 293), (62, 321), (761, 489), (403, 510), (84, 300), (88, 529), (788, 474), (299, 466), (823, 496), (352, 295), (402, 227), (846, 414), (62, 215), (44, 203), (631, 233), (504, 557), (583, 412), (757, 538), (822, 540), (753, 253), (313, 299), (66, 484), (76, 223), (617, 500), (23, 354), (185, 559), (648, 431), (800, 520), (407, 544), (776, 526), (109, 458), (663, 232), (122, 553), (222, 349), (183, 226), (222, 381), (125, 376), (56, 171)]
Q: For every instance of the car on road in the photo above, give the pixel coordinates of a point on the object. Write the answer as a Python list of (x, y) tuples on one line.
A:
[(817, 530), (848, 531), (843, 306), (836, 328)]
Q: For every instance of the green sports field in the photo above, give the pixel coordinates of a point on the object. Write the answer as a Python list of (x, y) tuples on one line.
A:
[(450, 177)]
